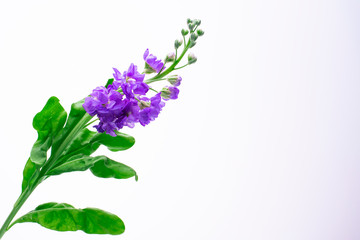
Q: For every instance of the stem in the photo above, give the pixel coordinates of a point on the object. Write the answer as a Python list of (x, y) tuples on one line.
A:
[(91, 123), (171, 68), (153, 90), (53, 158), (21, 200), (40, 176), (181, 67)]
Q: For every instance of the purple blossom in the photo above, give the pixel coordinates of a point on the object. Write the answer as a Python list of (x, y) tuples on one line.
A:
[(101, 100), (170, 93), (150, 113), (129, 115), (175, 80), (132, 73), (152, 64), (131, 82), (123, 103), (107, 127)]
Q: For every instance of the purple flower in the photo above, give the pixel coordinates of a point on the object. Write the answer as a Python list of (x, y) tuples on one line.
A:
[(150, 113), (151, 63), (116, 109), (132, 73), (131, 82), (99, 100), (107, 127), (175, 80), (170, 93), (129, 115)]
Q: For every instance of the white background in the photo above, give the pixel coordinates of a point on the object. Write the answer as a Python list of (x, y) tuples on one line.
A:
[(263, 142)]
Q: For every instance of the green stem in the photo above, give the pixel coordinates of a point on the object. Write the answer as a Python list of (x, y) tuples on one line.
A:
[(90, 123), (80, 125), (21, 200), (171, 68), (181, 67), (40, 176)]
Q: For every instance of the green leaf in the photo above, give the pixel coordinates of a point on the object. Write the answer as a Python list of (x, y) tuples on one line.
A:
[(87, 142), (110, 81), (82, 144), (64, 217), (121, 142), (77, 112), (29, 170), (111, 169), (100, 166), (48, 122)]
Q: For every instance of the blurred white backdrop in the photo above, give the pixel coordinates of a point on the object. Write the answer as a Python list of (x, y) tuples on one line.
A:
[(263, 142)]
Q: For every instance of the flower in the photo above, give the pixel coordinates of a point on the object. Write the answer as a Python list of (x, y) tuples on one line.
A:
[(170, 93), (105, 103), (129, 114), (102, 100), (175, 80), (116, 111), (150, 113), (131, 82), (151, 63)]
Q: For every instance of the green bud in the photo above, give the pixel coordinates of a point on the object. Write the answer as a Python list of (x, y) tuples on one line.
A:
[(174, 80), (178, 43), (193, 37), (192, 44), (191, 26), (184, 32), (200, 32), (191, 58), (170, 57), (165, 93), (189, 21), (197, 22)]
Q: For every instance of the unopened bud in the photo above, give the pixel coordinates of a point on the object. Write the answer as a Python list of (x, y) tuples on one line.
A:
[(200, 32), (197, 22), (188, 20), (169, 93), (193, 37), (191, 26), (178, 43), (191, 44), (170, 57), (175, 80), (191, 58), (184, 32)]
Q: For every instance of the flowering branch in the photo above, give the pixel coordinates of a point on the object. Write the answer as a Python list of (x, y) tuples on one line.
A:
[(123, 101)]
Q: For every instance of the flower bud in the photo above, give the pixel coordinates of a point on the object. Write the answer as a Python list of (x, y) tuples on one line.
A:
[(197, 22), (191, 26), (170, 57), (188, 21), (174, 80), (178, 43), (191, 58), (193, 37), (200, 32), (192, 44), (184, 32), (169, 93)]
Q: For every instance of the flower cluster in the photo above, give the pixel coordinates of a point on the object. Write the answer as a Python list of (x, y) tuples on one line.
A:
[(124, 101)]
